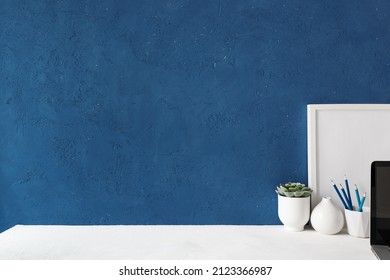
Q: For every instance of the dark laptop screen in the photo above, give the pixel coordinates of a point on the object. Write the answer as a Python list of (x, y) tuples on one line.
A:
[(380, 203)]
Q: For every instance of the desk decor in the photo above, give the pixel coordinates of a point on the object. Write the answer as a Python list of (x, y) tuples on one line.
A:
[(358, 222), (326, 217), (293, 205), (357, 217), (346, 197), (345, 137)]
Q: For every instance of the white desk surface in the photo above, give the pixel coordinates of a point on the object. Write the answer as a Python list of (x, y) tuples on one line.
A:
[(178, 242)]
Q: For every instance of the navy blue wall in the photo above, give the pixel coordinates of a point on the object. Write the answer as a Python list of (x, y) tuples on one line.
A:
[(172, 112)]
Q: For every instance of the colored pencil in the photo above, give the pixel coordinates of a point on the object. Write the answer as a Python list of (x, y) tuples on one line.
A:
[(357, 195), (362, 203), (339, 194), (348, 192), (346, 198)]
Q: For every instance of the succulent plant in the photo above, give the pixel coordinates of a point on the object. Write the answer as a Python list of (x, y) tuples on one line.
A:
[(293, 190)]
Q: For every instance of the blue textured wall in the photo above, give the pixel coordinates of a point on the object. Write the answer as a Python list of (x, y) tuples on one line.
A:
[(172, 112)]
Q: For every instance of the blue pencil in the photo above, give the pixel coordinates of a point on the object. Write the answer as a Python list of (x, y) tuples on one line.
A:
[(357, 195), (362, 202), (349, 203), (349, 194), (339, 194)]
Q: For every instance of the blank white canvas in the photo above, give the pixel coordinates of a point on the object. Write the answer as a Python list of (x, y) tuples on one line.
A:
[(346, 139)]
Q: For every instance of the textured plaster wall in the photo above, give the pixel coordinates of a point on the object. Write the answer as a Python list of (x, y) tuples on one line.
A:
[(172, 112)]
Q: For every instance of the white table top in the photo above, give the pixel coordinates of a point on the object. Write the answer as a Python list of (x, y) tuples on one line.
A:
[(178, 242)]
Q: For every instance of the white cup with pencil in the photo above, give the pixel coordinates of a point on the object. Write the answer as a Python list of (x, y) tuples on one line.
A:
[(357, 217)]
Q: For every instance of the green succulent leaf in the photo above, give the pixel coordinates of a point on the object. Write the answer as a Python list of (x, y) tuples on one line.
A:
[(283, 189), (289, 194), (298, 193), (306, 193)]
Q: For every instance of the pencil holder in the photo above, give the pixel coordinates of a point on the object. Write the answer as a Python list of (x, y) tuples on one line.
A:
[(358, 223)]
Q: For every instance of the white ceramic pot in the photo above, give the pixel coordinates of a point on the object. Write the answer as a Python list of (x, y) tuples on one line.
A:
[(294, 212), (326, 217), (358, 223)]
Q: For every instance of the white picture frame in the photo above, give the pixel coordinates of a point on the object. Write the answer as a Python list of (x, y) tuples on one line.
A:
[(344, 139)]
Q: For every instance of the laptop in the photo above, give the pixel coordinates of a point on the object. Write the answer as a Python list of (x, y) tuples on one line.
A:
[(380, 209)]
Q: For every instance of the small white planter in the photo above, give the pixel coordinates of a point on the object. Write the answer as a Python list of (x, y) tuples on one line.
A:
[(294, 212), (358, 223)]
